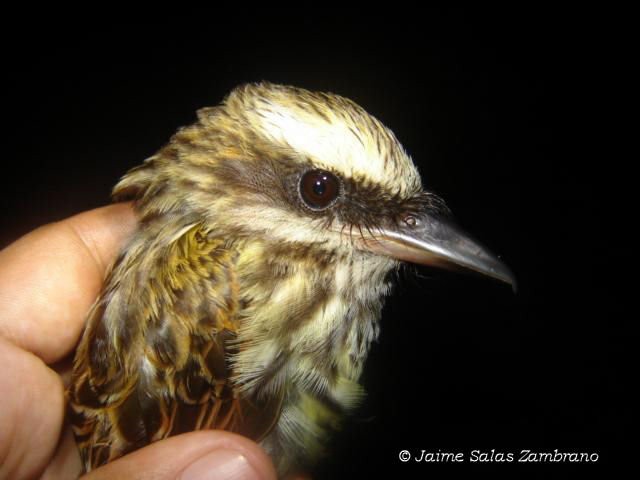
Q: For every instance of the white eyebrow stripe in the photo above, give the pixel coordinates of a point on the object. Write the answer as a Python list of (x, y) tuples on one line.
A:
[(336, 144)]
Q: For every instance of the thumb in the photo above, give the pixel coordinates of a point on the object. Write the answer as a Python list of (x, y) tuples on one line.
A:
[(201, 455)]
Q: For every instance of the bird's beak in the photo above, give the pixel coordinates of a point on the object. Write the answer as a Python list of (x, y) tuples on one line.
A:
[(435, 241)]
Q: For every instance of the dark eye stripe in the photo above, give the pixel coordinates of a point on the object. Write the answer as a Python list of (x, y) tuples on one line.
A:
[(319, 189)]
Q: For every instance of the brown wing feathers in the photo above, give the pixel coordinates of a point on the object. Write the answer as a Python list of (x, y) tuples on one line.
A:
[(123, 398)]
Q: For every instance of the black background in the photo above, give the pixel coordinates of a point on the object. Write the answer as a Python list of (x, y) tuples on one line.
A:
[(505, 112)]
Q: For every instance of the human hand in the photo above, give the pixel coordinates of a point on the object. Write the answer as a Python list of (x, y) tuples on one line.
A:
[(48, 280)]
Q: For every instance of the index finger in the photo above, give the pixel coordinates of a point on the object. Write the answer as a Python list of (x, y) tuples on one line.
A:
[(50, 277)]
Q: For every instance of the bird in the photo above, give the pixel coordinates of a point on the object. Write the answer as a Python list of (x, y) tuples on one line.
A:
[(251, 292)]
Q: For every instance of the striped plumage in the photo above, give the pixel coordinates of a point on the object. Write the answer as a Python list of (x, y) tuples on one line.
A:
[(237, 305)]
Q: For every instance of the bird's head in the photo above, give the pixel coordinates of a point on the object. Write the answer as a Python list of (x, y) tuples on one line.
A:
[(297, 167)]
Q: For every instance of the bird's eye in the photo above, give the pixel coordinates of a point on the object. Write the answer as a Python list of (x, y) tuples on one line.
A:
[(319, 189)]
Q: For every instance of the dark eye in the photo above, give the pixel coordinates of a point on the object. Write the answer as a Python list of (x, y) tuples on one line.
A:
[(319, 189)]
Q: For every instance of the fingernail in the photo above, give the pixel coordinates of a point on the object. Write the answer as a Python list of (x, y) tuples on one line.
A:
[(227, 464)]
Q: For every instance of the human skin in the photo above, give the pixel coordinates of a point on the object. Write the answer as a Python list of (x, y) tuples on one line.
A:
[(48, 280)]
